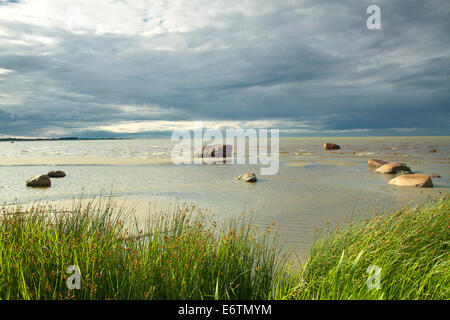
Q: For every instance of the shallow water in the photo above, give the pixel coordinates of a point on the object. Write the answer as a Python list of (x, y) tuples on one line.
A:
[(312, 187)]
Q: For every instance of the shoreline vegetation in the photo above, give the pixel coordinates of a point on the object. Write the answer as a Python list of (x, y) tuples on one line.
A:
[(182, 253)]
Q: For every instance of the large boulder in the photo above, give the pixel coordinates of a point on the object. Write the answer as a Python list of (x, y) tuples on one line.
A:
[(412, 180), (330, 146), (215, 151), (39, 181), (393, 167), (375, 163), (248, 177), (56, 174)]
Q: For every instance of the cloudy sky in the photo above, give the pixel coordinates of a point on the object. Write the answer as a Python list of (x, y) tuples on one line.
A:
[(139, 68)]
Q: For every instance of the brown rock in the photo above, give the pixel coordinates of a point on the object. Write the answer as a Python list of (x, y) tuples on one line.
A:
[(39, 181), (412, 180), (215, 151), (248, 177), (56, 174), (374, 163), (330, 146), (393, 167)]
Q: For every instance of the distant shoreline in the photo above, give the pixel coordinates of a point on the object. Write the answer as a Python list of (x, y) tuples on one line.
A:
[(9, 139), (59, 139)]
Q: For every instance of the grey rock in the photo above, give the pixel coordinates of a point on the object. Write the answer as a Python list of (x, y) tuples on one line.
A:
[(248, 177)]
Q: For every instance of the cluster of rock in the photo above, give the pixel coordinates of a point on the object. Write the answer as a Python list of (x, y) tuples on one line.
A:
[(407, 179), (43, 180), (223, 151)]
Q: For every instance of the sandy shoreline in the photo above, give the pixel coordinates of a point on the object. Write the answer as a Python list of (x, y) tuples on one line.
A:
[(25, 161)]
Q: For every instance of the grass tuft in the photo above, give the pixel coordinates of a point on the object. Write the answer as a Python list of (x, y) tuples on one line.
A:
[(181, 254)]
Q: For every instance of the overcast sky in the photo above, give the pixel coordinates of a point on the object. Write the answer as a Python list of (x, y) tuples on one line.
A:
[(308, 67)]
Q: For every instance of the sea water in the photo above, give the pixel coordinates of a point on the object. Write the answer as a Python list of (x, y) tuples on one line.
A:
[(313, 188)]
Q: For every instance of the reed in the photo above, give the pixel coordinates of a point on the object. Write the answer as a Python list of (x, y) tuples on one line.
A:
[(410, 246), (181, 254), (184, 254)]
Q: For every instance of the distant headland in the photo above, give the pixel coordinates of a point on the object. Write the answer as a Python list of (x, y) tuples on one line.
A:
[(57, 139)]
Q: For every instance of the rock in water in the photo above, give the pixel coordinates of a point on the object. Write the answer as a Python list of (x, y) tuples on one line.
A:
[(39, 181), (248, 177), (374, 163), (412, 180), (393, 167), (215, 151), (56, 174), (330, 146)]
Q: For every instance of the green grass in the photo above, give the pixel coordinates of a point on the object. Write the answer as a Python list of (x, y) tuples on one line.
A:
[(181, 254), (410, 246), (184, 254)]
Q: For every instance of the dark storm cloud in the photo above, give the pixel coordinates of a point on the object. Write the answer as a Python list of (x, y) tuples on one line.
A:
[(311, 62)]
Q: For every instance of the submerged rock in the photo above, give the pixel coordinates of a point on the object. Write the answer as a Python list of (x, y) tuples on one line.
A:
[(248, 177), (375, 163), (39, 181), (412, 180), (56, 174), (393, 167), (330, 146), (215, 151)]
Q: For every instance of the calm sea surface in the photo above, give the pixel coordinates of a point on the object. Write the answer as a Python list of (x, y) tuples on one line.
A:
[(312, 188)]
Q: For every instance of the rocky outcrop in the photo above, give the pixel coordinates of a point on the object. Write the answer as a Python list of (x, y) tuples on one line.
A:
[(248, 177), (56, 174), (375, 163), (215, 151), (330, 146), (393, 167), (39, 181), (412, 180)]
